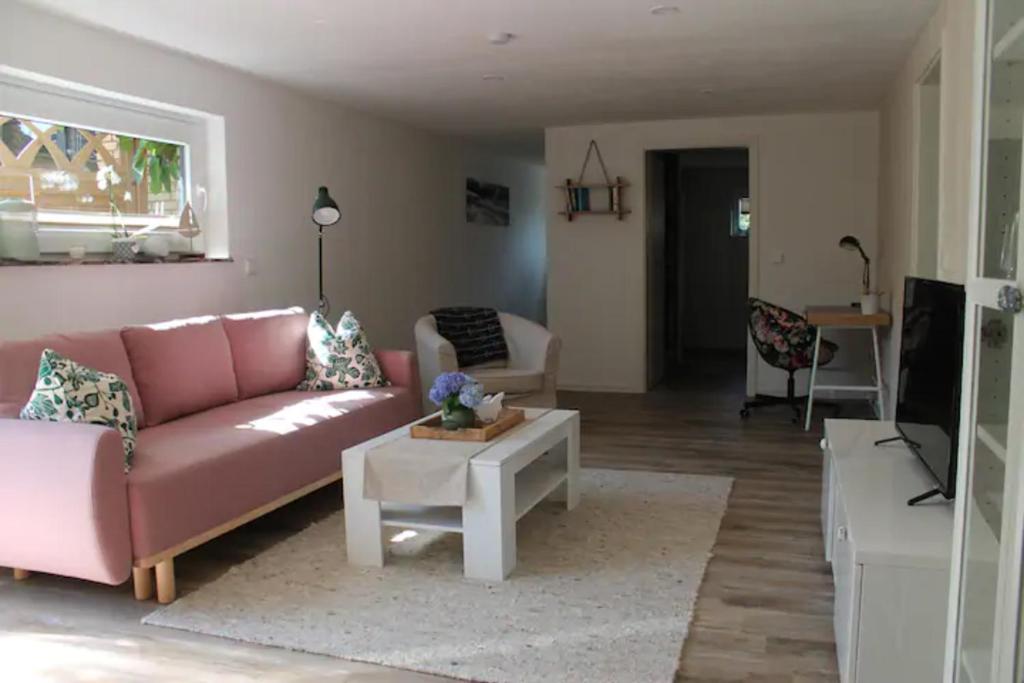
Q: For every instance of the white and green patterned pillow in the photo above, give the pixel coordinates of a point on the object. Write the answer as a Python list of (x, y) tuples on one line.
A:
[(68, 392), (339, 360)]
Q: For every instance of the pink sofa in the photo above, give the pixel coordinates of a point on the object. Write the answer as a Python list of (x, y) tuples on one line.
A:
[(224, 438)]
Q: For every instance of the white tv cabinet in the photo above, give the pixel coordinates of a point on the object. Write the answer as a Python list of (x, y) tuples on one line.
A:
[(890, 562)]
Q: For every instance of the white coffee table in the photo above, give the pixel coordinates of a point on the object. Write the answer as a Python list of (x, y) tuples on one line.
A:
[(512, 475)]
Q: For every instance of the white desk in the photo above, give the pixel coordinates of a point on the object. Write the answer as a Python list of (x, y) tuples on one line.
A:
[(849, 318)]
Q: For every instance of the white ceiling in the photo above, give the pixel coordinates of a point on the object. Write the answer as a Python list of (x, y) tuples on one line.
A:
[(572, 61)]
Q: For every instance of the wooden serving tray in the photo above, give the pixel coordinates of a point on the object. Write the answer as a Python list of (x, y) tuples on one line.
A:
[(432, 429)]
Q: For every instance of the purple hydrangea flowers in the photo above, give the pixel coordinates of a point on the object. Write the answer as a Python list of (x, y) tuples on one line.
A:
[(456, 384), (472, 394)]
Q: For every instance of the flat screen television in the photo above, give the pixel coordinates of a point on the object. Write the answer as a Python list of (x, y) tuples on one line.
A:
[(931, 359)]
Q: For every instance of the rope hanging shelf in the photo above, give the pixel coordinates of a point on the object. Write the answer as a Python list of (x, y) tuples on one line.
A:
[(578, 193)]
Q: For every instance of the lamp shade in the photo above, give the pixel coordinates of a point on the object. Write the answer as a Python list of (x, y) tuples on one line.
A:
[(850, 242), (325, 209)]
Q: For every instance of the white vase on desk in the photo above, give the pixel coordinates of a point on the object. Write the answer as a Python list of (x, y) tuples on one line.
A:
[(869, 303)]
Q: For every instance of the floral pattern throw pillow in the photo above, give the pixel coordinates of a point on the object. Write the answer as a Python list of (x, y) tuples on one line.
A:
[(68, 392), (339, 359)]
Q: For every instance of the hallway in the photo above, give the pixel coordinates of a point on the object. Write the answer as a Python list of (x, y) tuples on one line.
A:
[(718, 373)]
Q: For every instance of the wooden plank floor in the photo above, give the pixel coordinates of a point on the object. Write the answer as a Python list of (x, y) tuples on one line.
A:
[(763, 613)]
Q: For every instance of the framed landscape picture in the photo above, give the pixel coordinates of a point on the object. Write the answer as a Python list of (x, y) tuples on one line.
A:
[(486, 203)]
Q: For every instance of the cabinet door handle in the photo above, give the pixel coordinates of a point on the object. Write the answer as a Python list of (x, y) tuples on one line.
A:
[(1010, 299), (841, 533)]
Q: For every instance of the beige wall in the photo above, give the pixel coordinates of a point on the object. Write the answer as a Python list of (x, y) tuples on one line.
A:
[(402, 247), (950, 31), (814, 180)]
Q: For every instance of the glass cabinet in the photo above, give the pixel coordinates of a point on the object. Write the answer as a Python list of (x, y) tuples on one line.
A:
[(985, 605)]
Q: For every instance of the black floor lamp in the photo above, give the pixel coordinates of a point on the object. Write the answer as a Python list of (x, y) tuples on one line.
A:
[(325, 213)]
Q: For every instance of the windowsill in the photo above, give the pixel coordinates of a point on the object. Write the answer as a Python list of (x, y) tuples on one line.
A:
[(108, 260)]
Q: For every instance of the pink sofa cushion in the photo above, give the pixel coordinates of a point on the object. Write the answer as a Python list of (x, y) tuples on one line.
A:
[(181, 367), (201, 471), (19, 365), (268, 349)]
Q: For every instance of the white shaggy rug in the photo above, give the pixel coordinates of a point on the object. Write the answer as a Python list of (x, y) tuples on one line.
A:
[(604, 593)]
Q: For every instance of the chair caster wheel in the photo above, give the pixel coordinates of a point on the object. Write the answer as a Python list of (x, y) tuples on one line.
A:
[(744, 413)]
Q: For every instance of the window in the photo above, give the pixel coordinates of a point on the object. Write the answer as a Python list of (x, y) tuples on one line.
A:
[(77, 177), (87, 166), (740, 226)]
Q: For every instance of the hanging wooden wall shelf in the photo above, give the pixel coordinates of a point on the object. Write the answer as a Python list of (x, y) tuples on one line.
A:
[(578, 194)]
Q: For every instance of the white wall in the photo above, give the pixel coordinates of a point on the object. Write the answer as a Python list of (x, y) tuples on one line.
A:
[(504, 267), (814, 180), (929, 135), (402, 247), (951, 32)]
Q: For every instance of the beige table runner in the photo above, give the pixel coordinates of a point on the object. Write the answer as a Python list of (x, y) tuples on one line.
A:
[(423, 471)]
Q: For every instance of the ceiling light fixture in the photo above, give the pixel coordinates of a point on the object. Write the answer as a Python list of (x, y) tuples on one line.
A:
[(500, 38), (493, 77), (662, 10)]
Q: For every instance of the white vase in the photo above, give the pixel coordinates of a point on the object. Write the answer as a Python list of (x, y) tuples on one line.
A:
[(869, 303)]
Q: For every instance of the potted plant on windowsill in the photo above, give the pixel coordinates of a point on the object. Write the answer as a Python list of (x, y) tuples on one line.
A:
[(157, 164), (122, 244)]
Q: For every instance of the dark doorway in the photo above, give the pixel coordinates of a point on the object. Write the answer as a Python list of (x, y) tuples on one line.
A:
[(701, 199)]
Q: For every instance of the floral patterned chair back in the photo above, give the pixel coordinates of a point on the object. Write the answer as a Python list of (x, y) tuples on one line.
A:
[(785, 339)]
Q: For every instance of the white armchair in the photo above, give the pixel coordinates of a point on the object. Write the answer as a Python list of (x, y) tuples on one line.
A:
[(527, 378)]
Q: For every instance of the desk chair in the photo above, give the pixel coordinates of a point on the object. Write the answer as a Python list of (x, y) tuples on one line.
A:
[(785, 340)]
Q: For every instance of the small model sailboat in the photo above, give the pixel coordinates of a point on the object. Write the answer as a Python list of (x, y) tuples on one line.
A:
[(188, 226)]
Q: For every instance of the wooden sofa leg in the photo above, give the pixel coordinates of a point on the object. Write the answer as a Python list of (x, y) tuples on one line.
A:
[(165, 591), (142, 578), (21, 574)]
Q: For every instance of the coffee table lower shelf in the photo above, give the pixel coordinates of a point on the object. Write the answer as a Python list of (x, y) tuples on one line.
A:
[(421, 517)]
